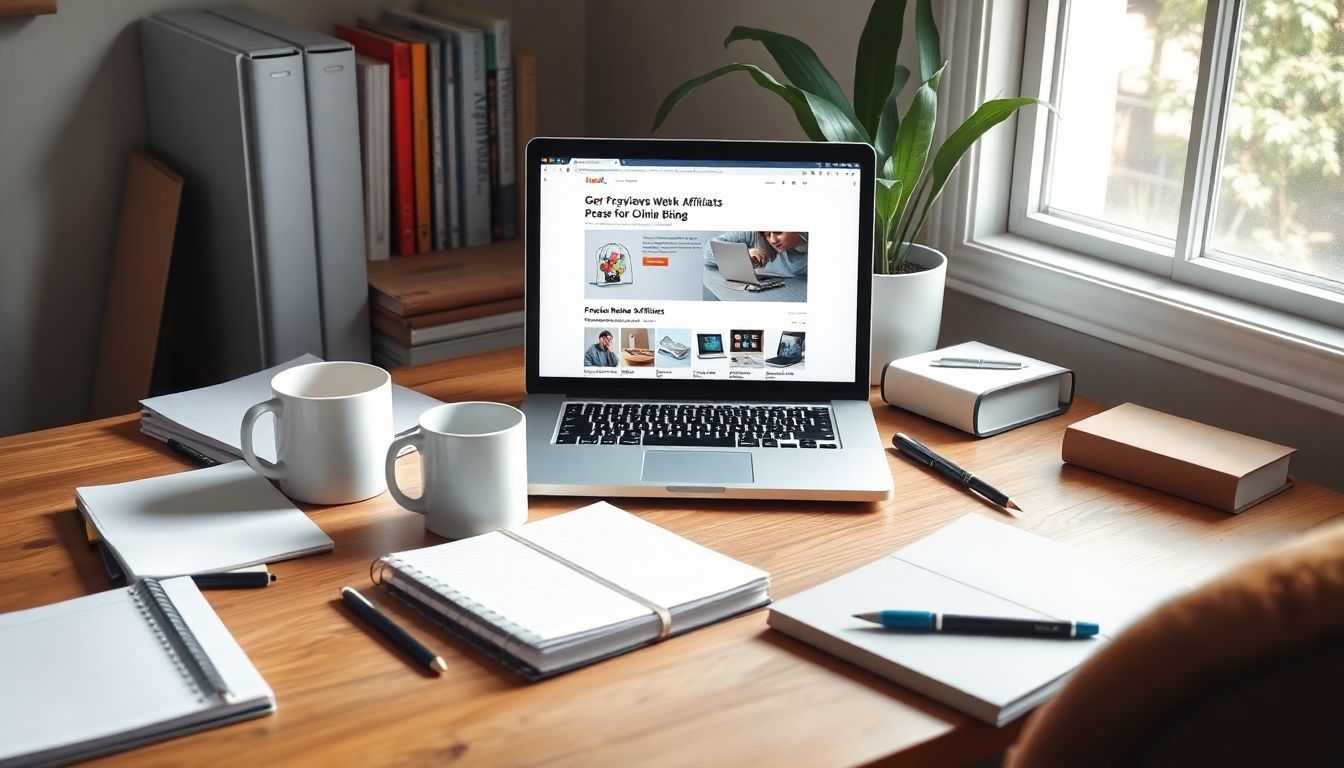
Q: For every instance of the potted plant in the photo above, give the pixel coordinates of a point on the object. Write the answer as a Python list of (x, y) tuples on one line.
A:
[(908, 278)]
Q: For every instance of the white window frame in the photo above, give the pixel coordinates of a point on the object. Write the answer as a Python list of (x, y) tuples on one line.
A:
[(1073, 286)]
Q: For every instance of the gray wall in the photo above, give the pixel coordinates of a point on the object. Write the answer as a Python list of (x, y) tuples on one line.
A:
[(72, 107)]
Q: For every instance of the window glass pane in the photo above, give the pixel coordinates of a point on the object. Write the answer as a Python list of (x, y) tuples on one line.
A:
[(1280, 193), (1125, 96)]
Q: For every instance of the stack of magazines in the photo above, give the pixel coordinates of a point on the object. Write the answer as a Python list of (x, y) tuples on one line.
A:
[(207, 422)]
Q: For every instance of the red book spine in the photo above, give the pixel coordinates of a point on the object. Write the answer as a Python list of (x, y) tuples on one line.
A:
[(398, 55)]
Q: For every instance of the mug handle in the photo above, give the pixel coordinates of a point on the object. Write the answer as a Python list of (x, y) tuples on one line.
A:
[(415, 441), (273, 470)]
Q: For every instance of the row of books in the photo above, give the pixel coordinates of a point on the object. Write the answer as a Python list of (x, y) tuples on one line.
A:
[(444, 108), (437, 306)]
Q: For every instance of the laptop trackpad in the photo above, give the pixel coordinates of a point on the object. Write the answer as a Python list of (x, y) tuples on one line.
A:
[(697, 467)]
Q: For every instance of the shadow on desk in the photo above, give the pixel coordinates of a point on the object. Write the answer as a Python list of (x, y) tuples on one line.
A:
[(987, 741)]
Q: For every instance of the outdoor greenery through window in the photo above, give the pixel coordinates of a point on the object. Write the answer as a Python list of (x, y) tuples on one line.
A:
[(1280, 192), (1125, 76)]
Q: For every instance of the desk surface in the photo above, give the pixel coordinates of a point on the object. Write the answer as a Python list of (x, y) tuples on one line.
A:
[(731, 693)]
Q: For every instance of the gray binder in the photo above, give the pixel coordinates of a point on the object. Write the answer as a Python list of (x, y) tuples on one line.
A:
[(226, 109), (338, 197)]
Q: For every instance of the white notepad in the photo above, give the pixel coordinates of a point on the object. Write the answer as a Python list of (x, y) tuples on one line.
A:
[(974, 566), (546, 613), (200, 521), (107, 671), (210, 419)]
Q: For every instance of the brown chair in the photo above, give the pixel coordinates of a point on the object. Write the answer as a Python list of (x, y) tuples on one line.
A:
[(1245, 670)]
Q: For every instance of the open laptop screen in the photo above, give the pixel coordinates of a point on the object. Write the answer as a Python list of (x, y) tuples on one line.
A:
[(640, 256)]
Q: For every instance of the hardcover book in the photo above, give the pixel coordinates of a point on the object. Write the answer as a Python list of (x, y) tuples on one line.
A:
[(950, 385), (1225, 470)]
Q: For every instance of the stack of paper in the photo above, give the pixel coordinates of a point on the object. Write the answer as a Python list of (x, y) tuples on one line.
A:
[(210, 419), (202, 521), (572, 589)]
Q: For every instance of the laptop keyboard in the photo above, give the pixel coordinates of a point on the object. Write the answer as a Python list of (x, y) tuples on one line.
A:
[(697, 424)]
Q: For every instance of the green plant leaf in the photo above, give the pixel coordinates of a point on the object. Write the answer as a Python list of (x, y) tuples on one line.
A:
[(990, 114), (834, 123), (910, 152), (888, 193), (800, 65), (926, 35), (875, 64), (890, 121), (888, 196), (802, 107)]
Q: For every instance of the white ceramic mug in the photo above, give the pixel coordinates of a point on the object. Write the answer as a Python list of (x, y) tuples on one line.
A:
[(333, 422), (473, 468)]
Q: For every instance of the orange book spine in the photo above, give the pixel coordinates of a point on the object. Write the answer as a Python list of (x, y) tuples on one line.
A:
[(420, 124)]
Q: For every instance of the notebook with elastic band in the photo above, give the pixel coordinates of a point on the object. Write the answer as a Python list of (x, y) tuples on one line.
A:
[(572, 589)]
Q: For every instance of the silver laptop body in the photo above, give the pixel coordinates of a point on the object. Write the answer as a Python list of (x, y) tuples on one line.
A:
[(698, 426), (734, 262)]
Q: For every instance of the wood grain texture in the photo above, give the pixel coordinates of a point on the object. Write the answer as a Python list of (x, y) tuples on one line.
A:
[(26, 7), (731, 693)]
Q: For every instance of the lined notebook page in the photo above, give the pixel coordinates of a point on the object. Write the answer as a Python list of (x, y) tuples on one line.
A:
[(548, 600)]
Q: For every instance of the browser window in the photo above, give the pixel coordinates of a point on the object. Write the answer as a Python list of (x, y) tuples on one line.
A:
[(641, 260)]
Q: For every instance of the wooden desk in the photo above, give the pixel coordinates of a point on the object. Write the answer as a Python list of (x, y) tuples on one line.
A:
[(733, 693)]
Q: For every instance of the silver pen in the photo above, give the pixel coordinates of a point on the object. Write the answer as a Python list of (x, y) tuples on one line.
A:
[(968, 362)]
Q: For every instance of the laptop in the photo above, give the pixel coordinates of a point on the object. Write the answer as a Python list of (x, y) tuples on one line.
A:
[(727, 425), (734, 262), (790, 350)]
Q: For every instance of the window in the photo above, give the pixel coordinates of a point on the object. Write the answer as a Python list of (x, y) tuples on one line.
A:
[(1199, 141)]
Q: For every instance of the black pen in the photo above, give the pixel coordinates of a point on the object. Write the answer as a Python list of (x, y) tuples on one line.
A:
[(115, 576), (191, 453), (231, 580), (366, 610), (913, 449)]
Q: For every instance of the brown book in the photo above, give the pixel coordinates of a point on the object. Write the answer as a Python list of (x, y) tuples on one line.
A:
[(525, 119), (136, 287), (462, 277), (1225, 470), (400, 328)]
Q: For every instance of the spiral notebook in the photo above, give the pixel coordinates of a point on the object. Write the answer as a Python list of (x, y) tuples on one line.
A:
[(572, 589), (116, 669)]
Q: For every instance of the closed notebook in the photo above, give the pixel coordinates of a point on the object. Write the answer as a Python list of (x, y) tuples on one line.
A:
[(201, 521), (981, 401), (571, 589), (108, 671), (974, 566), (1223, 469)]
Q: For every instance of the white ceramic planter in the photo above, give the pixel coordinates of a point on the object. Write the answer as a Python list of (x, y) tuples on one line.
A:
[(907, 310)]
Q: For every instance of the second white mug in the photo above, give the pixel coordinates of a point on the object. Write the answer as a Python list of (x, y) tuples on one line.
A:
[(473, 468)]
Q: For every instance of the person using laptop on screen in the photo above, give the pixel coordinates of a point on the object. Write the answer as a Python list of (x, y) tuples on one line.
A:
[(600, 354), (777, 254)]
